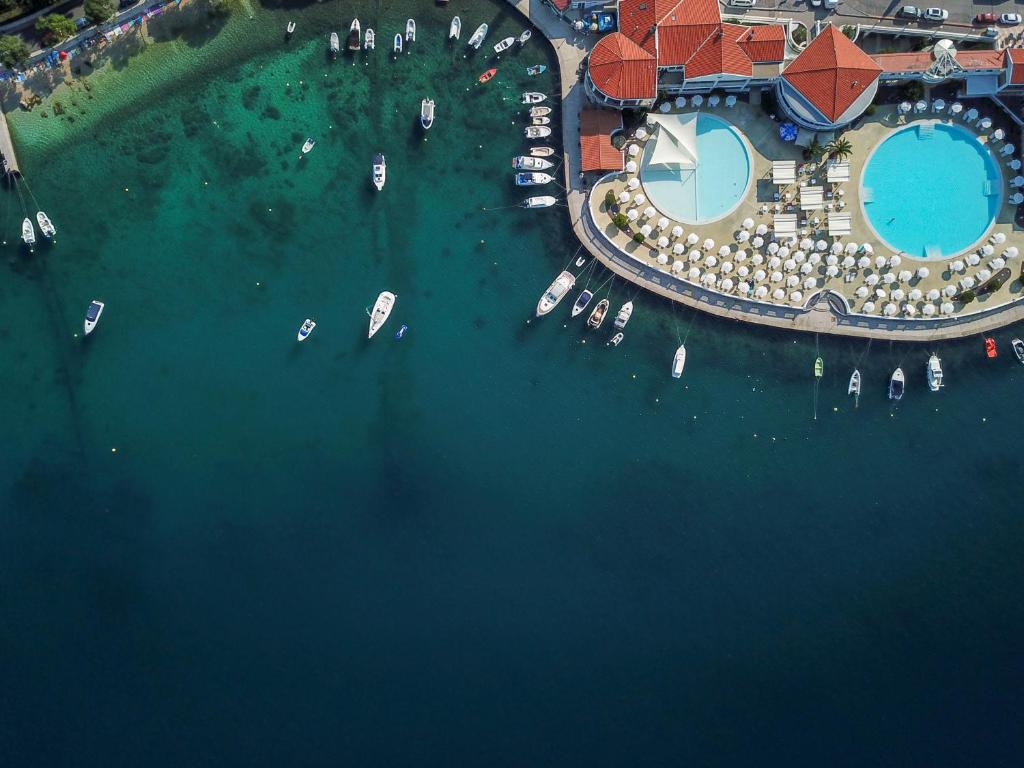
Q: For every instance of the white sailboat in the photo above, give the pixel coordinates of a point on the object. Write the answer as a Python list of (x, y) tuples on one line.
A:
[(28, 232), (540, 201), (92, 316), (555, 292), (45, 225), (369, 39), (306, 329), (478, 37), (427, 113), (455, 29), (678, 362), (381, 310), (380, 171), (934, 373), (624, 313)]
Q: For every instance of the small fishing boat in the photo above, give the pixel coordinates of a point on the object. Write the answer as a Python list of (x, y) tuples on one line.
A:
[(533, 97), (896, 384), (581, 302), (306, 329), (28, 232), (307, 146), (540, 111), (1018, 350), (934, 372), (524, 163), (455, 29), (541, 201), (537, 131), (532, 179), (335, 45), (504, 45), (615, 340), (92, 316), (487, 75), (854, 388), (45, 225), (370, 39), (555, 293), (401, 332), (819, 368), (678, 362), (990, 348), (625, 312), (597, 316), (536, 69), (290, 29), (410, 31), (525, 37), (397, 47), (478, 37), (581, 261), (354, 33), (541, 151), (380, 171), (381, 309), (540, 120), (427, 113)]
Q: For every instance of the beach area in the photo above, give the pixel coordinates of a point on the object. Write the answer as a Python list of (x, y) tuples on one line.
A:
[(496, 540)]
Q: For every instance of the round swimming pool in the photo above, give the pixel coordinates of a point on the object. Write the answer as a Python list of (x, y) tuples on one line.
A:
[(696, 168), (931, 190)]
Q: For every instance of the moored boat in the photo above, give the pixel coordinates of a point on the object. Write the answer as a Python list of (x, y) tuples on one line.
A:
[(28, 232), (540, 111), (532, 179), (92, 316), (400, 333), (616, 339), (504, 45), (306, 329), (487, 75), (536, 69), (525, 37), (335, 45), (478, 37), (525, 163), (896, 383), (934, 372), (678, 362), (1018, 350), (555, 292), (581, 302), (290, 29), (990, 348), (597, 316), (307, 146), (541, 151), (854, 388), (370, 39), (533, 97), (45, 225), (540, 201), (410, 31), (427, 113), (354, 33), (396, 48), (381, 310), (819, 368), (622, 317), (380, 171), (537, 131), (540, 120), (455, 29)]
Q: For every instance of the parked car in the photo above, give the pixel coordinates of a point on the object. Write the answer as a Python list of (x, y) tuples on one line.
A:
[(936, 14), (1010, 19), (81, 23), (986, 18), (742, 3), (909, 12), (831, 3)]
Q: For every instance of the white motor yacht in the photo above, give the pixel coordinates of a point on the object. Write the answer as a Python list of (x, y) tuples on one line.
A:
[(532, 179), (625, 312), (28, 232), (427, 113), (533, 97), (504, 45), (380, 171), (354, 33), (92, 316), (581, 302), (934, 373), (478, 37), (537, 131), (306, 329), (381, 309), (410, 31), (540, 201), (45, 225), (854, 388), (307, 145), (455, 29), (555, 293), (369, 39), (678, 362), (896, 385), (540, 111), (524, 163)]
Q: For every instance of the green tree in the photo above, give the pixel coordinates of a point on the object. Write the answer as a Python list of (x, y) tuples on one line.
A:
[(638, 238), (839, 148), (620, 220), (99, 11), (55, 28), (13, 51)]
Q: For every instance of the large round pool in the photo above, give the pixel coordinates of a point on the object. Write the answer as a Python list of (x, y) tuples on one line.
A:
[(696, 168), (931, 190)]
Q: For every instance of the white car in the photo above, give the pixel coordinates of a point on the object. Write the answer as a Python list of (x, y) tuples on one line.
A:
[(742, 3), (935, 14), (1010, 19)]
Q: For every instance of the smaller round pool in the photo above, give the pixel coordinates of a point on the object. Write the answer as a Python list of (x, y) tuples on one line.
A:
[(705, 172), (931, 189)]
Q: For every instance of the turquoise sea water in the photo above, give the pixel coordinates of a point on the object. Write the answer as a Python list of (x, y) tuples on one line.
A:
[(934, 189), (710, 190), (495, 542)]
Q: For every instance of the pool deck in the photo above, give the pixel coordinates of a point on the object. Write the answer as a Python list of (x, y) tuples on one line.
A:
[(829, 308)]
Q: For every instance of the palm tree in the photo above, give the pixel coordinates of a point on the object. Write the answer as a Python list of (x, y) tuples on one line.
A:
[(840, 148)]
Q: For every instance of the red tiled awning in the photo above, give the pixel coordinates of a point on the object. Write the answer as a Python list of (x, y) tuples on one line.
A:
[(596, 128)]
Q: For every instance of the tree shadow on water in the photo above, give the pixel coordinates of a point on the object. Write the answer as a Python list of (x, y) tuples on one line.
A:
[(194, 25)]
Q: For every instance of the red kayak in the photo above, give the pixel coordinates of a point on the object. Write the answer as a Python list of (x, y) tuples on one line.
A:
[(488, 75), (990, 347)]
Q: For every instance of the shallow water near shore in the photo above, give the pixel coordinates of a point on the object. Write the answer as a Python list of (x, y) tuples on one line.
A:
[(494, 542)]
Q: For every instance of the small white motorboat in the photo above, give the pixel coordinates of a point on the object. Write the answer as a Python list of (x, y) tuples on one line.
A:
[(537, 131), (532, 179), (307, 146), (306, 329), (380, 171), (525, 37), (397, 47), (540, 111), (410, 31), (854, 388), (540, 120), (290, 29), (524, 163), (504, 45), (625, 312), (678, 362), (615, 340), (92, 316), (533, 97), (369, 39), (581, 303), (45, 225), (542, 151), (427, 113), (478, 37), (455, 29), (896, 383), (335, 45), (1018, 350), (555, 292), (354, 33), (597, 316), (381, 309), (28, 232), (934, 372), (541, 201)]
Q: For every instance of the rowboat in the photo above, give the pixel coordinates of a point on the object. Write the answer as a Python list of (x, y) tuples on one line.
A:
[(541, 151), (615, 340), (523, 38), (990, 348), (487, 75), (335, 45)]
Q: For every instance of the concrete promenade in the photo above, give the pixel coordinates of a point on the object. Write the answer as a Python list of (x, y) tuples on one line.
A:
[(824, 313)]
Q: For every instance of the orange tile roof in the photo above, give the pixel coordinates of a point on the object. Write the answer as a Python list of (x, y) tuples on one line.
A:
[(684, 28), (720, 55), (919, 61), (621, 69), (832, 73), (1015, 59), (637, 21), (764, 42), (596, 128)]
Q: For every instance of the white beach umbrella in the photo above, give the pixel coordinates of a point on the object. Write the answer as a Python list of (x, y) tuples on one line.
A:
[(1014, 165), (849, 262), (806, 244), (743, 271), (634, 150), (984, 274), (938, 105), (998, 134), (776, 276), (888, 278), (783, 252), (1017, 181), (895, 260), (806, 269), (1016, 198), (880, 262), (678, 249), (747, 223), (973, 259), (708, 279), (880, 293), (998, 263), (641, 133), (904, 275), (821, 245), (810, 283), (740, 255), (757, 258), (724, 250), (730, 101), (957, 266), (742, 236), (864, 262), (915, 294), (869, 307), (677, 231), (761, 292), (743, 287), (946, 308), (649, 212), (663, 242), (862, 292), (832, 271), (759, 276), (851, 248), (678, 266), (692, 238), (949, 290), (868, 248), (757, 242), (662, 222), (910, 309), (694, 273), (987, 249), (774, 262), (921, 105), (662, 258), (898, 295), (923, 272), (631, 166), (726, 267), (645, 230), (696, 255), (799, 257), (985, 123), (633, 183), (814, 259), (796, 297), (709, 244), (792, 281), (640, 199), (934, 294), (1012, 252), (836, 248), (778, 294), (632, 214), (789, 265), (727, 284), (713, 100), (680, 102), (872, 279), (928, 310), (711, 261), (623, 197), (761, 230), (998, 238), (697, 100), (905, 106), (968, 282), (956, 107), (773, 248), (890, 309), (832, 260), (972, 115), (665, 107)]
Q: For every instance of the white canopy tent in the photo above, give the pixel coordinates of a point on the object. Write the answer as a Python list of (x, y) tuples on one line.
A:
[(838, 172), (785, 225), (784, 172), (811, 198), (839, 225)]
